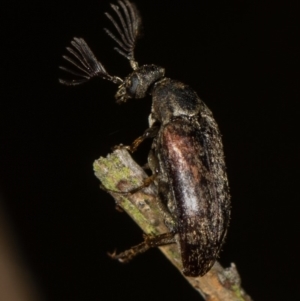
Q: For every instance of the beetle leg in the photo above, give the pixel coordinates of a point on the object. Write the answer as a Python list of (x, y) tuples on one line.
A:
[(149, 133), (146, 182), (150, 241)]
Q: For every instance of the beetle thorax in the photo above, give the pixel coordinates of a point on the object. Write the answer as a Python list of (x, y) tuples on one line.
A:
[(172, 99)]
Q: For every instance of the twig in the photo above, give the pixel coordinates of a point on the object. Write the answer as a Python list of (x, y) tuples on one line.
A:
[(118, 172)]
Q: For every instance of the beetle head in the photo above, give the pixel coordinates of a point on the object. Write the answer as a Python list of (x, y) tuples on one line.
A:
[(138, 83)]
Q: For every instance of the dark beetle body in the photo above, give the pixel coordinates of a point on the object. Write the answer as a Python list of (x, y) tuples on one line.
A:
[(187, 147), (192, 170)]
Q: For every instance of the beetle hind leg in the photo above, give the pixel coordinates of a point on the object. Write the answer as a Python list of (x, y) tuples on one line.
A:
[(150, 241)]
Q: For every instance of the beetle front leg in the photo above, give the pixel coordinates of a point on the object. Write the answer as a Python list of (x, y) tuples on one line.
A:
[(150, 241), (149, 133)]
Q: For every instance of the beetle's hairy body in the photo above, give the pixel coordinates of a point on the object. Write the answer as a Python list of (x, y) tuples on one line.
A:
[(187, 157), (192, 167)]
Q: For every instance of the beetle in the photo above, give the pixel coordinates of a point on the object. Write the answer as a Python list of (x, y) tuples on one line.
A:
[(186, 156)]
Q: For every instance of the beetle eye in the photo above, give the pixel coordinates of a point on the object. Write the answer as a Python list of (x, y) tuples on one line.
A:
[(132, 85)]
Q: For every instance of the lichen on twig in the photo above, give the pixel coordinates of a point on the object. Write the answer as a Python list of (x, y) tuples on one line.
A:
[(119, 172)]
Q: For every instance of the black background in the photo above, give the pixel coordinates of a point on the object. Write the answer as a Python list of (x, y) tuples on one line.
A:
[(242, 58)]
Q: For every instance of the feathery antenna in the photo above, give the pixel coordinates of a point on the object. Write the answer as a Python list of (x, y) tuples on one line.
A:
[(85, 60), (130, 22), (128, 27)]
